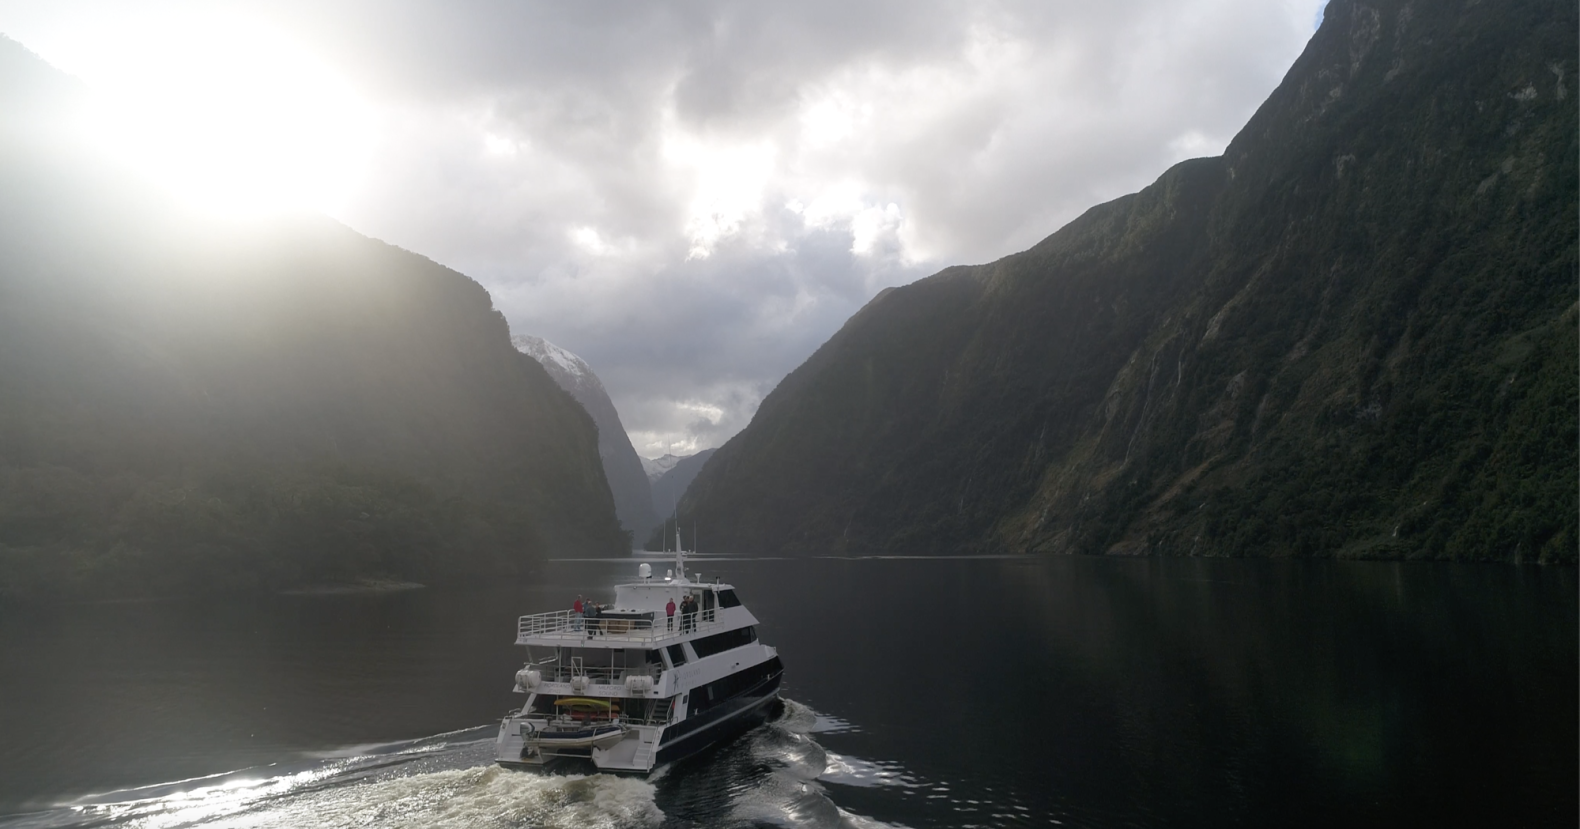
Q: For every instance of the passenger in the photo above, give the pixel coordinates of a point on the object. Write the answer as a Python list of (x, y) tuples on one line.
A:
[(691, 613), (669, 613), (594, 626), (576, 614)]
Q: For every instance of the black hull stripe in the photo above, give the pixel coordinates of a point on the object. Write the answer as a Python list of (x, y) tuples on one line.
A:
[(681, 740), (723, 708)]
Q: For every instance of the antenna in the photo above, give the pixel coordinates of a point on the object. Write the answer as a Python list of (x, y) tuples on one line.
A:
[(680, 554)]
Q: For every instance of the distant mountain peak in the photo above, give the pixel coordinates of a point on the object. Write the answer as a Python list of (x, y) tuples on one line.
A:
[(671, 476), (659, 467), (550, 354)]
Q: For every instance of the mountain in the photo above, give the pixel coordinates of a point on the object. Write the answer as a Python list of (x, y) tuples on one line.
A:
[(189, 405), (628, 481), (671, 484), (659, 467), (1353, 334)]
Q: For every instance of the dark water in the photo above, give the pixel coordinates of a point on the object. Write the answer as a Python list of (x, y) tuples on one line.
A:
[(923, 693)]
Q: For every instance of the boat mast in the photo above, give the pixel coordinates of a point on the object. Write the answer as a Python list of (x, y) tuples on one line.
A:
[(680, 554)]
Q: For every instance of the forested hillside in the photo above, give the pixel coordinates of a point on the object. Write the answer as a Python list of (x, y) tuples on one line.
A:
[(1353, 334), (191, 405)]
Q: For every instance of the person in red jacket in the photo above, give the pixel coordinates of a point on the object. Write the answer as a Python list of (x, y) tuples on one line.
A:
[(669, 613), (576, 614)]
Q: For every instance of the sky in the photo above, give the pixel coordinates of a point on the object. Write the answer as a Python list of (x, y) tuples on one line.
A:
[(692, 196)]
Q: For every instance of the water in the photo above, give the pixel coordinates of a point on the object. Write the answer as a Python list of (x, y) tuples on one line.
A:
[(921, 693)]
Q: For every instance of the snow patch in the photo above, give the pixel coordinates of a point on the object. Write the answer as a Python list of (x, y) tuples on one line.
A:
[(658, 467), (551, 355)]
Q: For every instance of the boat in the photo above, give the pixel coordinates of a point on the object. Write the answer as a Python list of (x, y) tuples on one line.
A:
[(631, 688)]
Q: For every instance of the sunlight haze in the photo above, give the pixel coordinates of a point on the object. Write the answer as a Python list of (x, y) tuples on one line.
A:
[(691, 199), (226, 112)]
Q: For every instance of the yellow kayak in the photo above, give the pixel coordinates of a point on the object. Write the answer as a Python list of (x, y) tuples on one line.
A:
[(584, 702)]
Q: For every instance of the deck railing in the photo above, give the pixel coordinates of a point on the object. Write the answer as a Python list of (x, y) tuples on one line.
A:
[(597, 675), (569, 625), (659, 715)]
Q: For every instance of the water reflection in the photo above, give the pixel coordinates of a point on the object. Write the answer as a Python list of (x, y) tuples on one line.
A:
[(1145, 691), (1362, 690), (927, 693)]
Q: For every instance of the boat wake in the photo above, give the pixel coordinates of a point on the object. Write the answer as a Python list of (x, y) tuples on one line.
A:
[(771, 776), (776, 775)]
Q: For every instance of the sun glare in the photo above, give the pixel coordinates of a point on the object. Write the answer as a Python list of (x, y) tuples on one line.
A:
[(229, 114), (727, 182)]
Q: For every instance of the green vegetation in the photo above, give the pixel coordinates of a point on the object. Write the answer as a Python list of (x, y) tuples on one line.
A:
[(1353, 334)]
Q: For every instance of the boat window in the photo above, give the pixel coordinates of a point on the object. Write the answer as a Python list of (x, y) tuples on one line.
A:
[(594, 657), (727, 599), (719, 690), (654, 658), (720, 642), (677, 655)]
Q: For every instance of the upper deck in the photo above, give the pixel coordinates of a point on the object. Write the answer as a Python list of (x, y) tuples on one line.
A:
[(638, 617)]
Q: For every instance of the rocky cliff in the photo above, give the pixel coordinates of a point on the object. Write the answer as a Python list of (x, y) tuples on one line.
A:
[(1353, 334), (628, 482)]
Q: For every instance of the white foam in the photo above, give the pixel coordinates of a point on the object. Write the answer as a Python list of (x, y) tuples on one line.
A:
[(854, 771), (425, 745), (793, 794), (485, 796)]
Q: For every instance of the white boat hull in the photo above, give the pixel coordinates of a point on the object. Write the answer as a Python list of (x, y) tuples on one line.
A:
[(640, 749)]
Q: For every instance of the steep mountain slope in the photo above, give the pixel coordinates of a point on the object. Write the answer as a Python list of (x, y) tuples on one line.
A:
[(188, 405), (669, 486), (659, 467), (1353, 334), (633, 499)]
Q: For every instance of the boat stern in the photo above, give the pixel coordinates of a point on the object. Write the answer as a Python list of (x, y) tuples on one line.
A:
[(510, 747), (526, 742), (635, 753)]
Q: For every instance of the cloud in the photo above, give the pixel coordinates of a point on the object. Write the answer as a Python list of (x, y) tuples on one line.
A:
[(694, 196)]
